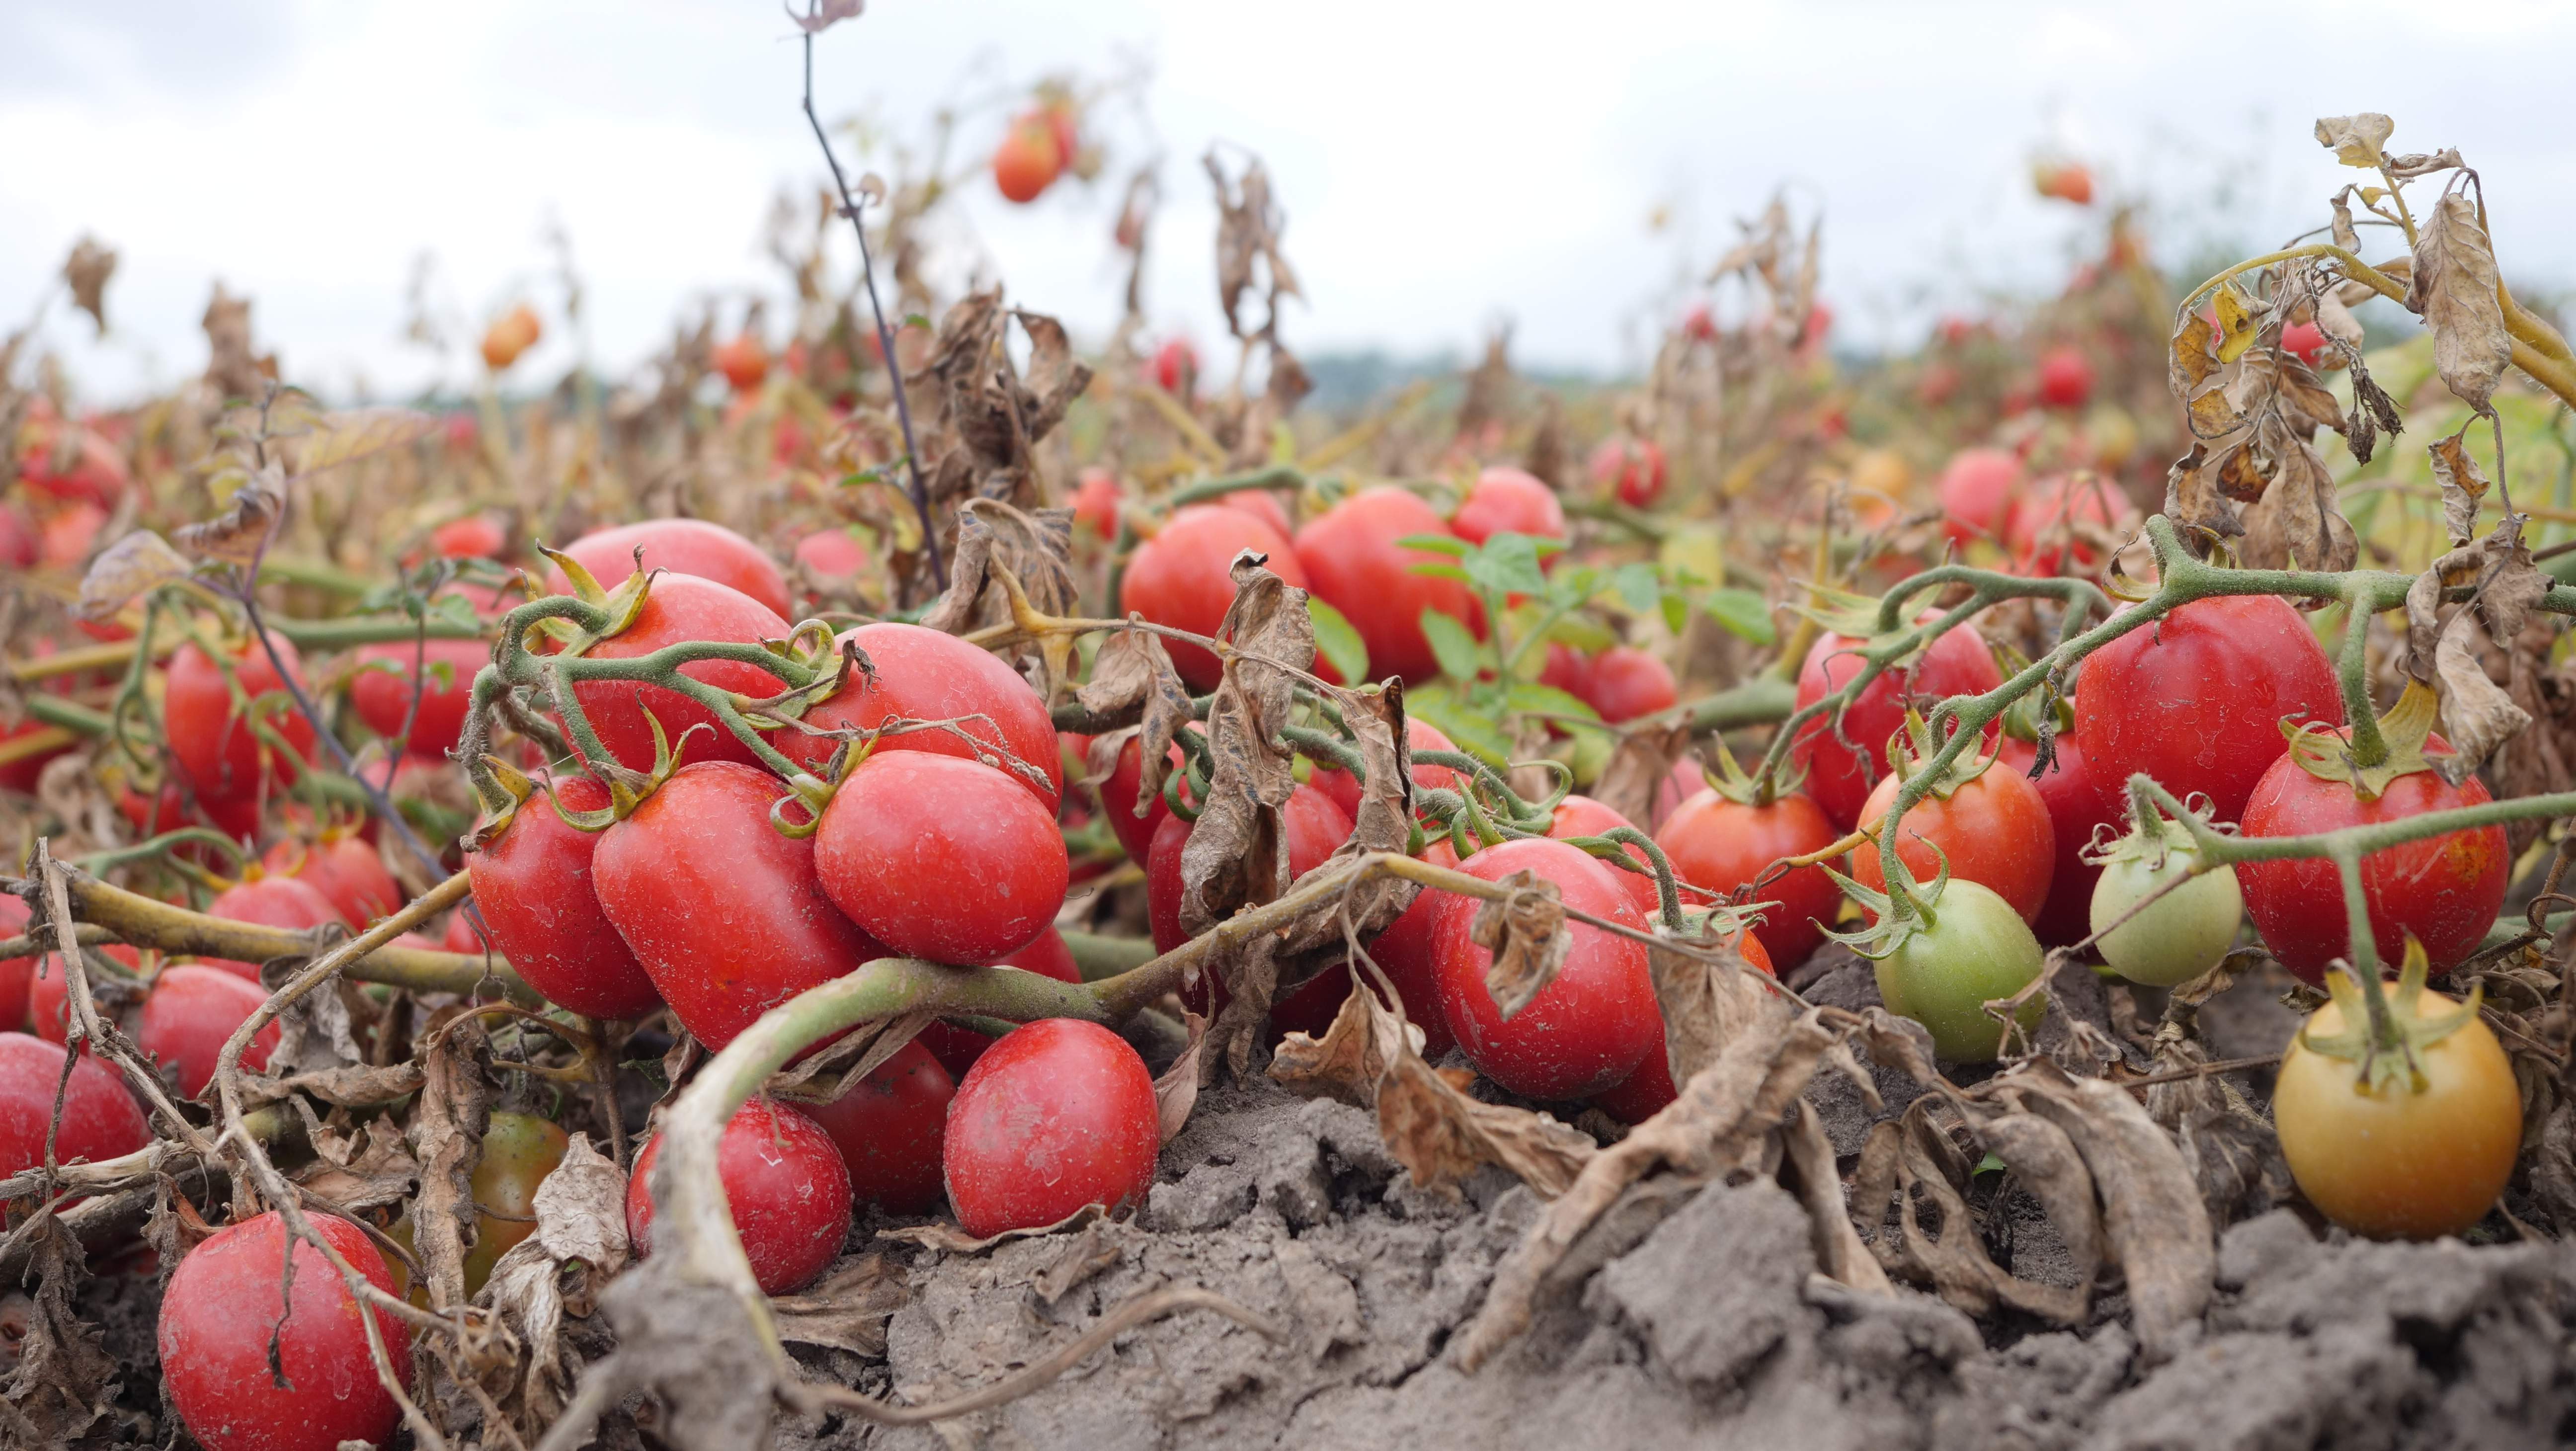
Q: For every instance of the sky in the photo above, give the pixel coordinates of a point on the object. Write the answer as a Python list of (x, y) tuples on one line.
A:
[(1446, 166)]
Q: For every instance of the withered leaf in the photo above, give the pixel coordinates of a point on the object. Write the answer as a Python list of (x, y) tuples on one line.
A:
[(2356, 140), (1528, 936), (2454, 290), (848, 1310), (133, 566), (2297, 523), (1234, 857), (2194, 498), (352, 1086), (1639, 766), (447, 1138), (1708, 998), (241, 532), (1035, 548), (2464, 485), (1133, 672), (822, 15), (231, 366), (86, 272), (578, 1245), (1177, 1091), (2477, 714), (1441, 1135), (952, 1240), (1810, 1172), (1077, 1260), (64, 1383), (1350, 1060)]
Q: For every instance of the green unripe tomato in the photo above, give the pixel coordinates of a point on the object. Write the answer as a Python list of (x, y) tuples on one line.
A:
[(1976, 949), (2182, 935), (519, 1151)]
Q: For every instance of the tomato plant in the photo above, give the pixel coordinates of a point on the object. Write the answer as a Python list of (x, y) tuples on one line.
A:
[(1057, 1114), (1588, 1029), (1986, 823), (785, 1184), (1840, 775), (1624, 682), (1028, 160), (2077, 804), (100, 1119), (891, 1128), (345, 869), (682, 546), (533, 884), (679, 608), (1419, 735), (940, 858), (1965, 946), (928, 675), (1182, 577), (2181, 935), (1722, 837), (1582, 816), (381, 691), (227, 1309), (1353, 562)]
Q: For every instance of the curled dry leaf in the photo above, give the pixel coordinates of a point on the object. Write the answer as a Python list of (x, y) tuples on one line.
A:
[(952, 1240), (1708, 997), (822, 15), (1912, 1161), (1527, 933), (2464, 485), (1133, 674), (1248, 228), (1441, 1135), (992, 538), (2477, 714), (133, 566), (2356, 140), (2296, 522), (447, 1138), (231, 366), (1352, 1057), (86, 272), (848, 1310), (1640, 766), (372, 1170), (1077, 1260), (2454, 289), (1177, 1091), (64, 1383), (1809, 1171), (241, 532), (352, 1086), (2196, 500)]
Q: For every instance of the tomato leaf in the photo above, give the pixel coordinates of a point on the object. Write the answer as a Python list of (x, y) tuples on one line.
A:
[(1337, 642), (1459, 656), (1506, 565), (1743, 614), (1448, 544), (1638, 585), (1530, 696)]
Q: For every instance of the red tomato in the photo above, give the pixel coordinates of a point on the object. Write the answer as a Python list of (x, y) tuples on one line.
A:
[(1419, 735), (228, 1305), (1568, 669), (1163, 883), (958, 1047), (786, 1185), (476, 536), (2067, 181), (890, 1128), (533, 884), (16, 973), (509, 336), (1263, 505), (69, 534), (1176, 368), (1720, 845), (1408, 950), (2444, 891), (2065, 378), (83, 468), (1625, 682), (1312, 826), (1583, 816), (2196, 700), (381, 692), (20, 540), (1118, 800), (1594, 1024), (1508, 500), (1028, 160), (100, 1119), (189, 1013), (940, 858), (681, 607), (1182, 578), (2305, 341), (345, 869), (1062, 120), (1645, 1092), (285, 902), (1977, 492), (1096, 502), (724, 913), (1632, 468), (1059, 1114), (925, 674), (1994, 830), (744, 361), (2077, 803), (681, 546), (219, 751), (1839, 776), (831, 553), (2035, 529), (1353, 563)]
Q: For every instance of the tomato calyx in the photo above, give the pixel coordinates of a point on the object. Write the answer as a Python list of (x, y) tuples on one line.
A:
[(813, 652), (616, 608), (2386, 1038), (1728, 779), (2154, 838), (1898, 914), (1907, 753), (2326, 752)]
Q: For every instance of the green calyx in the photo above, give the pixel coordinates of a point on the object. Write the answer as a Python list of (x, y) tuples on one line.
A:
[(1897, 914), (618, 607), (1907, 753), (1727, 779), (2154, 839), (2388, 1038), (2021, 719), (2326, 752)]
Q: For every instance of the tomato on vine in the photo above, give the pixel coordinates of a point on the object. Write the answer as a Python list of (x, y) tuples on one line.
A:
[(891, 1128), (1943, 952), (2177, 937), (1183, 577), (679, 609), (100, 1119), (228, 1309), (220, 749), (1843, 762), (785, 1183), (1731, 828), (941, 858), (1591, 1026), (1353, 562), (1987, 825), (930, 675), (1058, 1114), (681, 546), (533, 885)]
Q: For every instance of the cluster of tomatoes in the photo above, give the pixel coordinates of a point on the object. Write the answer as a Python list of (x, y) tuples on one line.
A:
[(1040, 145)]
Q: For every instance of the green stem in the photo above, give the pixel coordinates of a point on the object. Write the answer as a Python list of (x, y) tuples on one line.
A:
[(1276, 476)]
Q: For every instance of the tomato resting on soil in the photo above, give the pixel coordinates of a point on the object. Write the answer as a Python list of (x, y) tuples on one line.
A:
[(1056, 1115), (1588, 1029), (225, 1308), (786, 1184)]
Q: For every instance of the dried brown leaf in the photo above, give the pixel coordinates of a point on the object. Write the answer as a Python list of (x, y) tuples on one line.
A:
[(64, 1383), (2195, 499), (1528, 936), (1076, 1261), (1235, 856), (2296, 524), (1707, 1003), (848, 1310), (2356, 140), (1639, 767), (86, 272), (2464, 485), (1441, 1135), (1349, 1061), (242, 531), (1177, 1091), (578, 1245), (2454, 289), (952, 1240), (1808, 1168), (1133, 672), (447, 1138), (133, 566)]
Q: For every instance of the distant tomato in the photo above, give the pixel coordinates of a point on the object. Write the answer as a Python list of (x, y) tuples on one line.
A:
[(1118, 800), (1993, 830), (254, 1362), (681, 546), (475, 536), (1028, 160), (100, 1120), (744, 361), (1182, 577), (381, 691), (282, 902), (786, 1185), (1176, 367), (890, 1128), (1839, 776), (725, 914), (69, 534), (929, 675), (1583, 816), (167, 811), (1592, 1026), (533, 884), (2037, 529), (680, 608), (221, 752), (1720, 845), (1059, 1114), (831, 553), (1419, 735), (16, 973), (1509, 500), (2196, 699), (346, 869), (2066, 181), (21, 541), (1353, 563), (510, 336), (1645, 1092), (1567, 669), (940, 858), (1632, 469), (1977, 492), (1625, 682), (2305, 341), (188, 1014), (2065, 378), (1096, 502), (72, 463)]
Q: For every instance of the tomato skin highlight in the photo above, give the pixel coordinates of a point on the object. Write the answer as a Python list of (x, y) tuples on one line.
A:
[(100, 1118), (1839, 777), (217, 751), (2196, 700), (1594, 1024), (381, 694), (219, 1311), (534, 885), (678, 546), (188, 1014), (941, 859), (1182, 578), (1058, 1114), (926, 674), (2444, 890), (2396, 1164), (1979, 949), (891, 1128), (1720, 845), (1644, 1093), (1994, 830), (785, 1183), (1353, 563), (1509, 500), (726, 915)]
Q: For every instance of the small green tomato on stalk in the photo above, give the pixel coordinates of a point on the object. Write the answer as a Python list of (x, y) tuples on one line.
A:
[(2179, 936)]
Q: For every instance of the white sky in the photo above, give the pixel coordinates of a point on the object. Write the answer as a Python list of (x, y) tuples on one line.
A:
[(1444, 163)]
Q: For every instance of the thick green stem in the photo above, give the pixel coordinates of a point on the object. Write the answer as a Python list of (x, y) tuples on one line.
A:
[(1276, 476)]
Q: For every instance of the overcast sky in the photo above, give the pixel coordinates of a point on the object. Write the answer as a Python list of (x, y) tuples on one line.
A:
[(1445, 164)]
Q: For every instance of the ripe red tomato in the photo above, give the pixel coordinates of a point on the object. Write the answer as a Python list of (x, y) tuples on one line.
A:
[(1508, 500), (681, 546), (88, 469), (926, 674), (1059, 1113), (284, 902), (1419, 735), (168, 810), (345, 869), (1028, 160), (1631, 468), (1353, 563), (1408, 950), (1625, 682), (16, 973), (1699, 324), (20, 540), (1118, 800), (1163, 883), (2196, 700), (226, 1307), (1994, 830), (189, 1013), (1838, 776), (2444, 891), (940, 858), (1263, 505), (2067, 181), (1644, 1093), (1181, 578), (1312, 826), (100, 1119), (681, 607), (475, 536), (2065, 378), (533, 884), (381, 692), (2077, 803), (219, 752), (69, 533), (1064, 122), (1583, 816), (1594, 1024), (831, 553), (890, 1128), (1721, 845), (1096, 501), (1176, 367), (2035, 532), (724, 913), (1568, 669), (1977, 490), (744, 361), (786, 1185), (2305, 341)]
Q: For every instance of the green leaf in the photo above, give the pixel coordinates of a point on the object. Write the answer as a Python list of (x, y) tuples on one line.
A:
[(1638, 585), (1473, 729), (1582, 632), (1437, 570), (1742, 613), (1337, 642), (1456, 649), (1506, 565), (1676, 611), (1528, 695), (1448, 544)]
